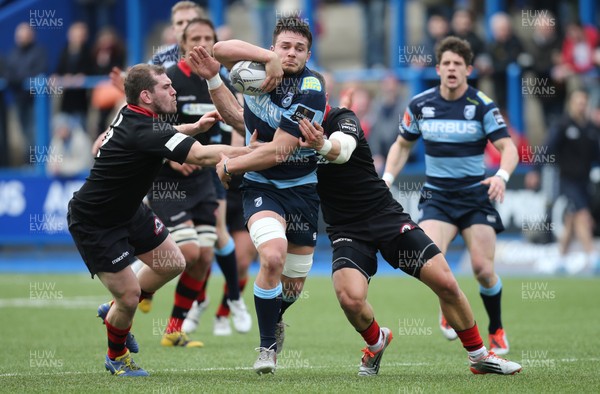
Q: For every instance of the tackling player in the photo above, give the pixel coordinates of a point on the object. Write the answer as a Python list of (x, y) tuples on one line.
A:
[(363, 218), (106, 217)]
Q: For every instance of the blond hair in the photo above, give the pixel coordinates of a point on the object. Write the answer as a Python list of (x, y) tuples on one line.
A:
[(184, 5)]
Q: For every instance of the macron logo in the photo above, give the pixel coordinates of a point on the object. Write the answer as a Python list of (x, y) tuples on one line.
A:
[(121, 257)]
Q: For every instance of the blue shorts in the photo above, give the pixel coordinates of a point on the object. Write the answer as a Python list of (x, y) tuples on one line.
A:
[(576, 193), (221, 192), (298, 205), (462, 208)]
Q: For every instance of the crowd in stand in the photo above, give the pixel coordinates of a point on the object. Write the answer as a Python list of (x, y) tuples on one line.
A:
[(556, 53)]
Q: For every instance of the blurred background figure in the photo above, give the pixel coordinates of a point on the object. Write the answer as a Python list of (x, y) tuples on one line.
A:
[(74, 64), (69, 149), (437, 29), (503, 50), (108, 52), (575, 143), (462, 27), (385, 112), (373, 12), (25, 61), (543, 47), (265, 12)]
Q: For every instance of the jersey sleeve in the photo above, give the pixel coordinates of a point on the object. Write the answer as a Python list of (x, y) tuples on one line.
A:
[(347, 123), (493, 124), (409, 127), (166, 142), (308, 103)]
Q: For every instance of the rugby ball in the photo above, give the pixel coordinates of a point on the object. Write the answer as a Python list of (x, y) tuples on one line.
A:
[(247, 76)]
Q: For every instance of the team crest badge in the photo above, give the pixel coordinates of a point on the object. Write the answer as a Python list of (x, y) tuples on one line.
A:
[(287, 100), (158, 226), (469, 112), (258, 202)]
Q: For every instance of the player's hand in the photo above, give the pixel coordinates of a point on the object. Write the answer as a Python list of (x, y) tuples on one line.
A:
[(496, 188), (117, 78), (185, 169), (346, 98), (202, 63), (208, 120), (254, 142), (274, 73), (312, 133), (225, 179)]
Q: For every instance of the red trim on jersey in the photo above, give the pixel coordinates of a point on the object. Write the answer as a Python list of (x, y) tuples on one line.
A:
[(327, 109), (141, 110), (185, 68)]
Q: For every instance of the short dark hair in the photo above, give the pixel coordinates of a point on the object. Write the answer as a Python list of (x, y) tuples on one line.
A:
[(321, 79), (294, 25), (456, 45), (139, 78), (200, 21)]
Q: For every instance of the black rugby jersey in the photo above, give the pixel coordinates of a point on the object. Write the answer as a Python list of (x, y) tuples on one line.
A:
[(193, 101), (128, 161), (353, 190)]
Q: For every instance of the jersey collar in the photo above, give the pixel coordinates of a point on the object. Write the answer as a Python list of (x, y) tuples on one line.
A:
[(184, 67), (143, 111), (327, 109)]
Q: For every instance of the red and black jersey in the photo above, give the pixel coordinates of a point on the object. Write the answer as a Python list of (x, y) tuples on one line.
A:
[(353, 190), (193, 101), (129, 159)]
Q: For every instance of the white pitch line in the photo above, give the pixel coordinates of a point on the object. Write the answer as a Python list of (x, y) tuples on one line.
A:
[(216, 369), (56, 302)]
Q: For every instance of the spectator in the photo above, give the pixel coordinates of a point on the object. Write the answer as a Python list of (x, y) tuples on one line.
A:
[(374, 32), (578, 55), (69, 148), (387, 106), (359, 100), (74, 64), (462, 27), (503, 50), (574, 143), (108, 52), (24, 62), (543, 47), (437, 30)]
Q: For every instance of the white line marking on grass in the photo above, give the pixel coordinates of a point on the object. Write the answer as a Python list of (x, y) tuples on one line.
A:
[(213, 369), (64, 302)]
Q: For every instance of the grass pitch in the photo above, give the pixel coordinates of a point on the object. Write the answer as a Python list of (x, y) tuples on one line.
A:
[(51, 341)]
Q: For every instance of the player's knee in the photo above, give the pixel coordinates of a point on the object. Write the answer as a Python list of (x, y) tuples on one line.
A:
[(350, 302), (190, 253), (484, 273), (448, 289), (265, 230), (272, 260), (128, 300)]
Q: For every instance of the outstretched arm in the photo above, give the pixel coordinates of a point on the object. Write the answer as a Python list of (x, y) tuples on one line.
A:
[(230, 52), (207, 67), (508, 162), (396, 159)]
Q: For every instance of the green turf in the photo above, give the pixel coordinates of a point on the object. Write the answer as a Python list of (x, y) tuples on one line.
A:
[(58, 345)]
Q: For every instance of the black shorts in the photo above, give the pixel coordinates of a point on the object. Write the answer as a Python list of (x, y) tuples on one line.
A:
[(111, 249), (390, 231), (235, 211), (462, 208), (298, 205), (576, 193), (177, 200)]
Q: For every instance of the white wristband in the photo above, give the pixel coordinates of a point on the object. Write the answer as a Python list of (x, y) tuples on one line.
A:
[(389, 178), (214, 82), (504, 175), (327, 145)]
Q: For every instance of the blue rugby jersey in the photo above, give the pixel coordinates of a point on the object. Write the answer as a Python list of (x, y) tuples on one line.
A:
[(299, 96), (455, 134)]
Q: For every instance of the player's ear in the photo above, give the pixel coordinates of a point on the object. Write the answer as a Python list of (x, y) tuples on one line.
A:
[(272, 48), (437, 69), (145, 97), (308, 57), (469, 70)]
